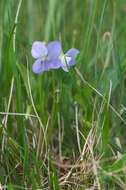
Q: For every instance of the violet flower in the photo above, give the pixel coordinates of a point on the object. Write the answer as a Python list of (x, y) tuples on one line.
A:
[(50, 56), (68, 59)]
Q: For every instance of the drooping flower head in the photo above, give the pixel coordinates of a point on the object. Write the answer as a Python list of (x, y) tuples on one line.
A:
[(50, 56)]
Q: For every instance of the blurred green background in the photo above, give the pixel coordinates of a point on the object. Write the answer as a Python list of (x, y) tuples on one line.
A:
[(69, 112)]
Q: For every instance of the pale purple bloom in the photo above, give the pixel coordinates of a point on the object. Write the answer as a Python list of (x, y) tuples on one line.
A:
[(50, 56), (69, 59)]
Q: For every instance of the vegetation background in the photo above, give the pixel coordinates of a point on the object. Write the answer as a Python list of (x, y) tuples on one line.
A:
[(63, 130)]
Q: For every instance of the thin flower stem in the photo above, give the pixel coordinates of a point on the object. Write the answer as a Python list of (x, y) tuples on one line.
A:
[(42, 135), (59, 135)]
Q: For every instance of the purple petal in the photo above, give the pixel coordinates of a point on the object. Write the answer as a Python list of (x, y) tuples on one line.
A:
[(37, 67), (54, 64), (54, 49), (39, 50), (40, 66), (72, 53)]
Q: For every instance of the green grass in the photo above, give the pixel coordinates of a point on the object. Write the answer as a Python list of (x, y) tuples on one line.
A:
[(63, 130)]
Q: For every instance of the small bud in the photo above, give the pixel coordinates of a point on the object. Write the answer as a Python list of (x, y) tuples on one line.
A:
[(106, 36)]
